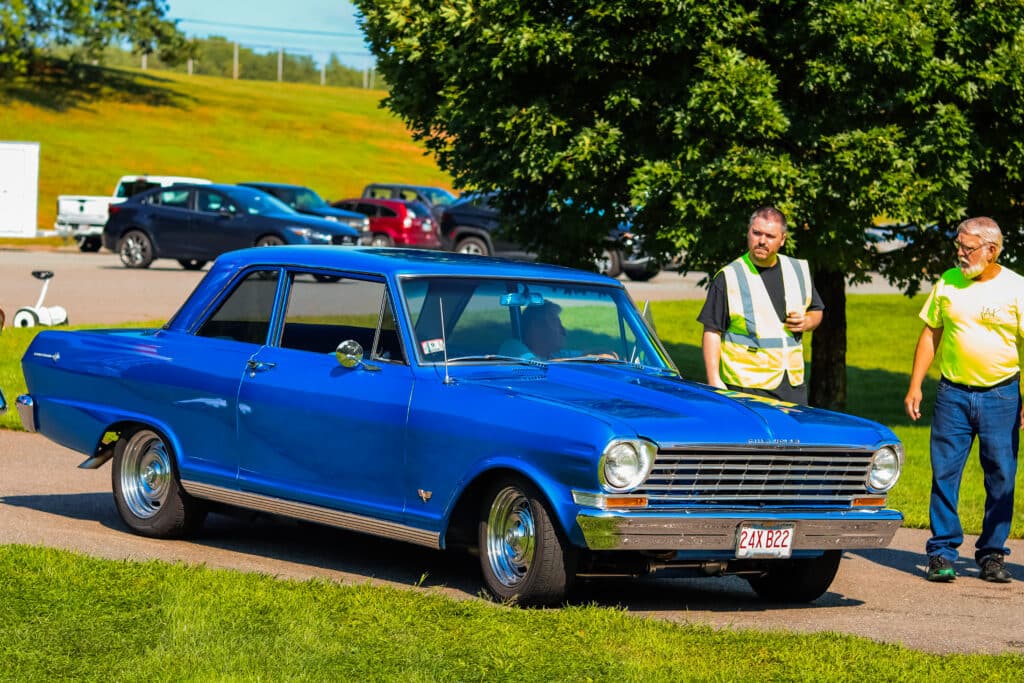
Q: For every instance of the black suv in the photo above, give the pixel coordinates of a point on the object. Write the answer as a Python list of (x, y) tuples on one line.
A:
[(468, 226)]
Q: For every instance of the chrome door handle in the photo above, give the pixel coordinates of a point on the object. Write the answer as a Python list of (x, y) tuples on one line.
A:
[(258, 366)]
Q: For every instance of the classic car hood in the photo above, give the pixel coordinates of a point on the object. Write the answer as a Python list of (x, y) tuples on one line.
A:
[(670, 410)]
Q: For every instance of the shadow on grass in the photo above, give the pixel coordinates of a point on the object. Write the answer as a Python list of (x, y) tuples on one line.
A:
[(61, 86)]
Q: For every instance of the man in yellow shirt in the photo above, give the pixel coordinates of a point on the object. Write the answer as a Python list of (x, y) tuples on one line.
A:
[(976, 312)]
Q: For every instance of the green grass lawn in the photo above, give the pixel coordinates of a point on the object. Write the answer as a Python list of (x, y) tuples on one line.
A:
[(68, 617), (335, 140)]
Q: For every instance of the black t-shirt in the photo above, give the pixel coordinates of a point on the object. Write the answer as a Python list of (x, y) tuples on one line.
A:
[(715, 313)]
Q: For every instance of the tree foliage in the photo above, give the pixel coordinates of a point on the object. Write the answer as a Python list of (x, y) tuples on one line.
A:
[(30, 29), (696, 112)]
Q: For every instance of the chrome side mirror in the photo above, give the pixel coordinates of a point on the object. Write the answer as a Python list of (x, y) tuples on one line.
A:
[(349, 353)]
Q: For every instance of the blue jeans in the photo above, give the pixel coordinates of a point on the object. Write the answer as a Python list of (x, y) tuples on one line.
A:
[(993, 415)]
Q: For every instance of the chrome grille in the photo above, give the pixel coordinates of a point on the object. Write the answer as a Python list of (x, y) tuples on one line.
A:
[(756, 478)]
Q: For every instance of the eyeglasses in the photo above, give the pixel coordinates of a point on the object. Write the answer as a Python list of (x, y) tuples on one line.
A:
[(960, 246)]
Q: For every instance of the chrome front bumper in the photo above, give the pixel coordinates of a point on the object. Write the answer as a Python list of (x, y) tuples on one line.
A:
[(717, 532)]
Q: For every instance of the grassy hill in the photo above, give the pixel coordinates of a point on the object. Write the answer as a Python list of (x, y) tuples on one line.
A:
[(334, 140)]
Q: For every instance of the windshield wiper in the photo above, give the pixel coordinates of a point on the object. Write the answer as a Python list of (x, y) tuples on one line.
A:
[(492, 357)]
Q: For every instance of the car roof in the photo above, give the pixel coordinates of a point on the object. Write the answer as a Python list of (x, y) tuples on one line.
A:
[(381, 201), (252, 183), (399, 262)]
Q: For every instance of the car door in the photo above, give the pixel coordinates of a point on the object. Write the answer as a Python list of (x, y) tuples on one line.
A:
[(169, 219), (217, 225), (313, 431)]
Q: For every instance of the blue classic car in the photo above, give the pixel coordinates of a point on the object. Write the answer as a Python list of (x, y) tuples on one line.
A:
[(525, 412)]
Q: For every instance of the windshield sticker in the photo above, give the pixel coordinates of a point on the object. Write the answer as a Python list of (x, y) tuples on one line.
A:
[(432, 345)]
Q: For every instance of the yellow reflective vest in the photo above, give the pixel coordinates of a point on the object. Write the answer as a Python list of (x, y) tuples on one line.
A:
[(757, 349)]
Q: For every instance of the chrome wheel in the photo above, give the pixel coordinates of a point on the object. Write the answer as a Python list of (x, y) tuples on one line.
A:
[(473, 245), (146, 477), (511, 537), (135, 250)]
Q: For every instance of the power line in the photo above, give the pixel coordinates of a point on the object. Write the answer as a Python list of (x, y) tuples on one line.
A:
[(270, 29)]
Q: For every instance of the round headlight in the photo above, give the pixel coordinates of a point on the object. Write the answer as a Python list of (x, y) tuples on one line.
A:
[(886, 464), (625, 465)]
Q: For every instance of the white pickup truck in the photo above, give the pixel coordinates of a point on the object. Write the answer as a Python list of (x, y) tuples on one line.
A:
[(83, 217)]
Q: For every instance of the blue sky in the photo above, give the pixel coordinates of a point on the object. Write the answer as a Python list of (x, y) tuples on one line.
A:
[(313, 27)]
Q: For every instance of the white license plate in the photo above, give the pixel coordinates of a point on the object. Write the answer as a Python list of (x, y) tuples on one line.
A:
[(764, 540)]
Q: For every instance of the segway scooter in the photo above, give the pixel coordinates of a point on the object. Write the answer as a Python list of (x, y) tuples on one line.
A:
[(48, 316)]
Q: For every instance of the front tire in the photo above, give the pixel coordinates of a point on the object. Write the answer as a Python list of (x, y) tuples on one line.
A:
[(147, 492), (523, 555), (135, 249), (798, 580), (269, 241), (191, 263)]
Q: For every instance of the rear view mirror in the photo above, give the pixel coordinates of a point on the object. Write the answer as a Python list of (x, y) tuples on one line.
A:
[(520, 299)]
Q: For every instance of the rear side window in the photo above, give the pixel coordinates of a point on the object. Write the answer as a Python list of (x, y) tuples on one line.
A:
[(245, 314), (379, 193), (388, 213)]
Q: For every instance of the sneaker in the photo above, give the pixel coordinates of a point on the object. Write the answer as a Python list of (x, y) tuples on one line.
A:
[(993, 568), (940, 569)]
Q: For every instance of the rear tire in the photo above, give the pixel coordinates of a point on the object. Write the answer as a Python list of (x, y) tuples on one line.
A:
[(380, 240), (609, 263), (798, 580), (90, 244), (472, 245), (135, 249), (523, 555), (147, 491)]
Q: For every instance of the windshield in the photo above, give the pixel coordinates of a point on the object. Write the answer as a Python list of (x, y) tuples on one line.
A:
[(438, 197), (257, 203), (515, 320), (307, 199)]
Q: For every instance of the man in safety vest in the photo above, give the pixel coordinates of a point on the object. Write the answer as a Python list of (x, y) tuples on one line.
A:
[(756, 312)]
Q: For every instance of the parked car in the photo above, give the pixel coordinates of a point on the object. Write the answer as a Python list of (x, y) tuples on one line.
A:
[(196, 223), (398, 222), (367, 389), (82, 217), (305, 200), (471, 226)]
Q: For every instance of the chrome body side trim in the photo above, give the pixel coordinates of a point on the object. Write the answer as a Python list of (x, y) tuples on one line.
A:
[(27, 412), (814, 531), (314, 513)]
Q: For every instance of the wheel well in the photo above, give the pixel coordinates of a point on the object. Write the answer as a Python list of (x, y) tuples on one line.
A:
[(461, 530)]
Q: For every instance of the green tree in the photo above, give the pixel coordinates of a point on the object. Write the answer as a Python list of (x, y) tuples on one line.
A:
[(31, 29), (696, 113)]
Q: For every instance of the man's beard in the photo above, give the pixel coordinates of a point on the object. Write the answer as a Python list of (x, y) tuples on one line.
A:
[(972, 271)]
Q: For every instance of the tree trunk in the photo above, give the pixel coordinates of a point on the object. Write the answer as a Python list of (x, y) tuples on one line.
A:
[(828, 344)]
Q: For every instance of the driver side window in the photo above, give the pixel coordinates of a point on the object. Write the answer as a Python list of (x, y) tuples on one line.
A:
[(324, 311)]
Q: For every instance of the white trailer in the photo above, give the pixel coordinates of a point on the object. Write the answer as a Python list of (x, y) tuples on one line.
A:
[(19, 189)]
